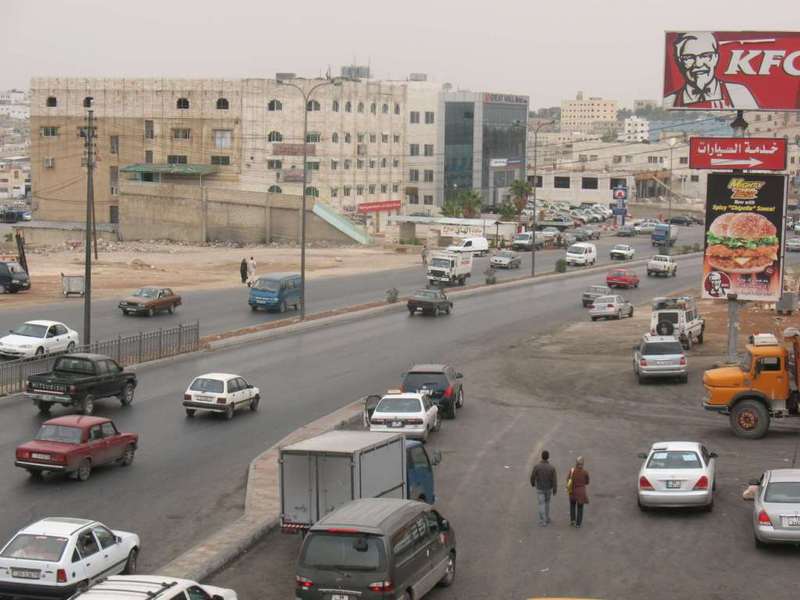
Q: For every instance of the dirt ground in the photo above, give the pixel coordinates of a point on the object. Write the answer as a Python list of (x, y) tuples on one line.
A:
[(125, 265)]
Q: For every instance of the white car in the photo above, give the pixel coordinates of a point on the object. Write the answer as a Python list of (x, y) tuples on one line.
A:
[(153, 587), (55, 556), (645, 227), (610, 307), (622, 252), (581, 253), (220, 393), (36, 338), (414, 415), (677, 474)]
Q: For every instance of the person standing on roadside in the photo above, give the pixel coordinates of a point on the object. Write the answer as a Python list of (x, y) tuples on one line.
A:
[(544, 479), (251, 269), (425, 256), (243, 270), (577, 480)]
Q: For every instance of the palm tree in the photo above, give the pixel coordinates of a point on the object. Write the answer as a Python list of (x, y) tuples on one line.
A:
[(520, 190), (470, 201)]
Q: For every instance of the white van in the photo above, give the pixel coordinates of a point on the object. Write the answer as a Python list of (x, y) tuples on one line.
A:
[(478, 245), (581, 253)]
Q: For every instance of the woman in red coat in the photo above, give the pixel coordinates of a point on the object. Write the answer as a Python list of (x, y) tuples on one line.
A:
[(577, 480)]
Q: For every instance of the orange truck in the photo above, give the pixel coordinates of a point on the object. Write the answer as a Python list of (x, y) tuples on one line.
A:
[(763, 386)]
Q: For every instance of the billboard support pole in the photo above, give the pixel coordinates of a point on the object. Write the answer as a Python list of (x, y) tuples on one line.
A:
[(733, 327)]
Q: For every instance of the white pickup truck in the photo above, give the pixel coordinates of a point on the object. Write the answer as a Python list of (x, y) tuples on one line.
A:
[(449, 268), (662, 264)]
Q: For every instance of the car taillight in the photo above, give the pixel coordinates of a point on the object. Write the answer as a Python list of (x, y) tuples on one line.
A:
[(449, 391), (763, 519), (304, 582), (609, 306), (381, 586), (377, 421), (59, 458), (23, 454), (187, 396), (222, 400), (702, 483), (644, 484), (414, 421), (61, 576), (683, 361), (642, 362)]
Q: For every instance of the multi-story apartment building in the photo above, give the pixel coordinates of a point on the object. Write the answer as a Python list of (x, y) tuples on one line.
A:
[(587, 114), (635, 129)]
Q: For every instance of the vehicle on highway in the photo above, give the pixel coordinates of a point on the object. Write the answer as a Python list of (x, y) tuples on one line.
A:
[(506, 259), (610, 307), (593, 292), (583, 234), (220, 393), (55, 556), (442, 383), (776, 508), (793, 244), (645, 227), (479, 246), (678, 316), (449, 268), (622, 278), (429, 302), (525, 241), (275, 292), (626, 231), (549, 233), (150, 300), (664, 235), (622, 252), (677, 475), (662, 264), (78, 380), (660, 356), (681, 220), (411, 413), (581, 253), (322, 473), (376, 548), (13, 277), (765, 384), (37, 338), (559, 222), (75, 445), (152, 587)]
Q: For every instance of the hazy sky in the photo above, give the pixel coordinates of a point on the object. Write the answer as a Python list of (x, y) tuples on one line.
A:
[(547, 49)]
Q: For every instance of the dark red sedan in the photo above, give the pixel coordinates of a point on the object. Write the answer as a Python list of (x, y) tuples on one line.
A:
[(622, 278), (75, 444)]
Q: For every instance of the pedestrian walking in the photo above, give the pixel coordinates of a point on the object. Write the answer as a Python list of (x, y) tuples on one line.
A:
[(251, 270), (544, 480), (577, 481), (243, 270), (425, 256)]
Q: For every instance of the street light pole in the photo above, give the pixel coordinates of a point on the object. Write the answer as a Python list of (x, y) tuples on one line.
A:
[(535, 182), (669, 199)]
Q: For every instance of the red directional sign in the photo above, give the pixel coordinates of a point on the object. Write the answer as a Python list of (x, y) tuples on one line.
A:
[(718, 153)]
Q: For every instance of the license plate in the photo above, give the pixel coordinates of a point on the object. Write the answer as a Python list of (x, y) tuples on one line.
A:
[(791, 521), (39, 456), (340, 597), (204, 399), (25, 573), (397, 423), (662, 362), (673, 485)]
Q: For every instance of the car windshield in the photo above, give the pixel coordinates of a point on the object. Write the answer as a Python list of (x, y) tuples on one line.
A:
[(146, 293), (433, 381), (522, 237), (81, 366), (35, 547), (15, 267), (606, 300), (59, 433), (598, 289), (345, 552), (267, 285), (783, 491), (30, 330), (746, 362), (674, 459), (440, 262), (576, 250), (505, 254), (618, 274), (618, 247), (203, 384), (662, 348), (425, 294), (399, 405)]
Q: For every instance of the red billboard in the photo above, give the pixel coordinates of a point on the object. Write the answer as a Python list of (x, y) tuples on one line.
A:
[(732, 70), (717, 153), (386, 205)]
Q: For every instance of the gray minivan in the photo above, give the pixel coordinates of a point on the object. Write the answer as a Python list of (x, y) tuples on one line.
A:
[(376, 548)]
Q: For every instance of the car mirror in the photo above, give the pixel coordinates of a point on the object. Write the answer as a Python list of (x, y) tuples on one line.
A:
[(249, 386), (713, 455), (117, 539), (642, 455), (444, 525), (437, 457)]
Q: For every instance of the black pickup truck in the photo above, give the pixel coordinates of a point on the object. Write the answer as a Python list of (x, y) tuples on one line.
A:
[(78, 380)]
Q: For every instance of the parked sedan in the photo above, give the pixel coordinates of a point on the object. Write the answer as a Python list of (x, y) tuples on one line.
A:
[(506, 259), (622, 252), (646, 227), (622, 278), (36, 338), (776, 508), (429, 302), (150, 300), (220, 393), (793, 244), (626, 231), (592, 293), (677, 474), (584, 234), (412, 414), (658, 356), (610, 307), (442, 383)]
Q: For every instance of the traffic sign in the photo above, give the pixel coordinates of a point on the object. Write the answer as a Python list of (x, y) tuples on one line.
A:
[(760, 154)]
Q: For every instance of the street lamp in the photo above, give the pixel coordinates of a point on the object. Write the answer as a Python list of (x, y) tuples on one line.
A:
[(535, 182), (672, 141), (306, 97)]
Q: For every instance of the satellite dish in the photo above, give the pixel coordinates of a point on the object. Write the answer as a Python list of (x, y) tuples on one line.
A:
[(665, 328)]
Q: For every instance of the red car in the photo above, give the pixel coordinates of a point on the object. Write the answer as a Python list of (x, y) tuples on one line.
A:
[(75, 444), (622, 278)]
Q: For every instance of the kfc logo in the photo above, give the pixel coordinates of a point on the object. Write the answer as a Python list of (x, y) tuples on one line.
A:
[(717, 284)]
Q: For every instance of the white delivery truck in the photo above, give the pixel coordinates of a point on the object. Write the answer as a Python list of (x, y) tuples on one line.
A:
[(449, 268), (322, 473)]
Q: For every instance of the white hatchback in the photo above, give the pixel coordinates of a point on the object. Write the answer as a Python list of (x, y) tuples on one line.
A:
[(57, 555), (36, 338), (413, 415), (220, 393)]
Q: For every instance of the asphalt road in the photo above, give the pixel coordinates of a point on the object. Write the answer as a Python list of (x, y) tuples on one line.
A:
[(226, 309), (188, 476)]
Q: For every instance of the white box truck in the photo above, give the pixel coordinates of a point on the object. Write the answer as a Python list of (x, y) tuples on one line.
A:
[(449, 268), (322, 473)]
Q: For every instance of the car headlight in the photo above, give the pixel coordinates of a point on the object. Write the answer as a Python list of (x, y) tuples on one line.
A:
[(26, 346)]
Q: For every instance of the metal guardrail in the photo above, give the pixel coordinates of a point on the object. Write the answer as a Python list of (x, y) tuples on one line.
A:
[(132, 349)]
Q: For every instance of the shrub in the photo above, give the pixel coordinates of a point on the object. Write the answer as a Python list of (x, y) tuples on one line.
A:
[(392, 295), (561, 265)]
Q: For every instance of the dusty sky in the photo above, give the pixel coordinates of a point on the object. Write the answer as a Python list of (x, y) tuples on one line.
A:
[(547, 49)]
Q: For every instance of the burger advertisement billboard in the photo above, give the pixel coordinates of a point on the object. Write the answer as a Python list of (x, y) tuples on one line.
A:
[(744, 226)]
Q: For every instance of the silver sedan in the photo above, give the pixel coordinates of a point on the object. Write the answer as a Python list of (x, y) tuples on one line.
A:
[(776, 508), (505, 259), (677, 474), (610, 307)]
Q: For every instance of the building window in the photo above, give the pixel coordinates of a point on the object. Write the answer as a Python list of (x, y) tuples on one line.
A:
[(335, 138), (347, 138), (335, 106), (348, 106), (413, 149), (149, 131), (313, 166), (373, 108), (428, 118), (428, 175), (114, 144), (383, 163), (113, 179), (588, 183), (561, 182), (177, 159), (312, 191), (536, 182), (334, 192), (414, 116), (274, 105), (334, 165), (384, 188), (347, 163), (413, 175), (395, 162), (49, 163), (274, 164), (428, 149), (373, 138), (313, 137), (274, 136), (312, 106), (628, 158), (396, 138), (413, 199), (49, 131), (385, 108), (695, 178), (427, 199), (182, 103), (181, 134), (148, 157), (395, 187), (223, 138), (346, 191), (359, 164), (360, 137), (52, 102), (222, 104), (616, 182), (361, 107), (652, 160), (371, 164), (371, 188), (359, 190), (220, 160), (275, 189), (396, 108), (385, 138), (684, 160), (617, 159), (582, 158)]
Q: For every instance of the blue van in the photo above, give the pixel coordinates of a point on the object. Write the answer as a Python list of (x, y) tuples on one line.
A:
[(275, 292)]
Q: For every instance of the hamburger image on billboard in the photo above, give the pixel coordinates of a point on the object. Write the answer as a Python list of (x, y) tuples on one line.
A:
[(744, 223)]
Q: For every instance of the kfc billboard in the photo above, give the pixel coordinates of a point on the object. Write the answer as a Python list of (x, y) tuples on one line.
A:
[(732, 70), (744, 227)]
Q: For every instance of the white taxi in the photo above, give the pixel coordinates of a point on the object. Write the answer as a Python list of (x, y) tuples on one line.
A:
[(220, 393), (413, 415)]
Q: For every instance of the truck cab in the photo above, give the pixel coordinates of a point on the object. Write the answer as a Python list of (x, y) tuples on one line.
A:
[(449, 268)]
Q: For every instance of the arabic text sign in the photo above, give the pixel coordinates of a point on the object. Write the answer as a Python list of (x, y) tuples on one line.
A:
[(762, 154), (732, 70), (461, 231)]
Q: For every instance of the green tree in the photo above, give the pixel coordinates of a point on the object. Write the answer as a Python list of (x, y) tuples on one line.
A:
[(470, 201), (520, 190), (451, 208), (507, 211)]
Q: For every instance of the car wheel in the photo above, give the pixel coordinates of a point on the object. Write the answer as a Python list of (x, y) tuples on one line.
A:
[(700, 337), (450, 573), (435, 311), (684, 379), (151, 312), (674, 272), (619, 315), (631, 313), (190, 412), (2, 289), (44, 407), (642, 507), (254, 403), (84, 470), (449, 309), (710, 506), (649, 273), (126, 395), (594, 318), (35, 473), (451, 412), (749, 419), (70, 347), (282, 309), (125, 313), (130, 564), (759, 544), (87, 405), (229, 412), (460, 401), (437, 423), (128, 456), (39, 351), (171, 309), (253, 307)]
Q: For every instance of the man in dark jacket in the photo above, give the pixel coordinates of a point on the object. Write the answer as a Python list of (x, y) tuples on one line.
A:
[(545, 480)]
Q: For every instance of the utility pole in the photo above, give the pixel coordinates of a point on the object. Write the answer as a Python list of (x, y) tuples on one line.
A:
[(535, 184), (87, 297), (668, 249), (739, 126)]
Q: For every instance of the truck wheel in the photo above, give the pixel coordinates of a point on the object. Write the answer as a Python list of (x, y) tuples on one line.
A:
[(688, 344), (84, 470), (253, 307), (44, 407), (87, 405), (750, 419), (128, 455), (649, 273), (126, 395), (283, 307), (229, 412)]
